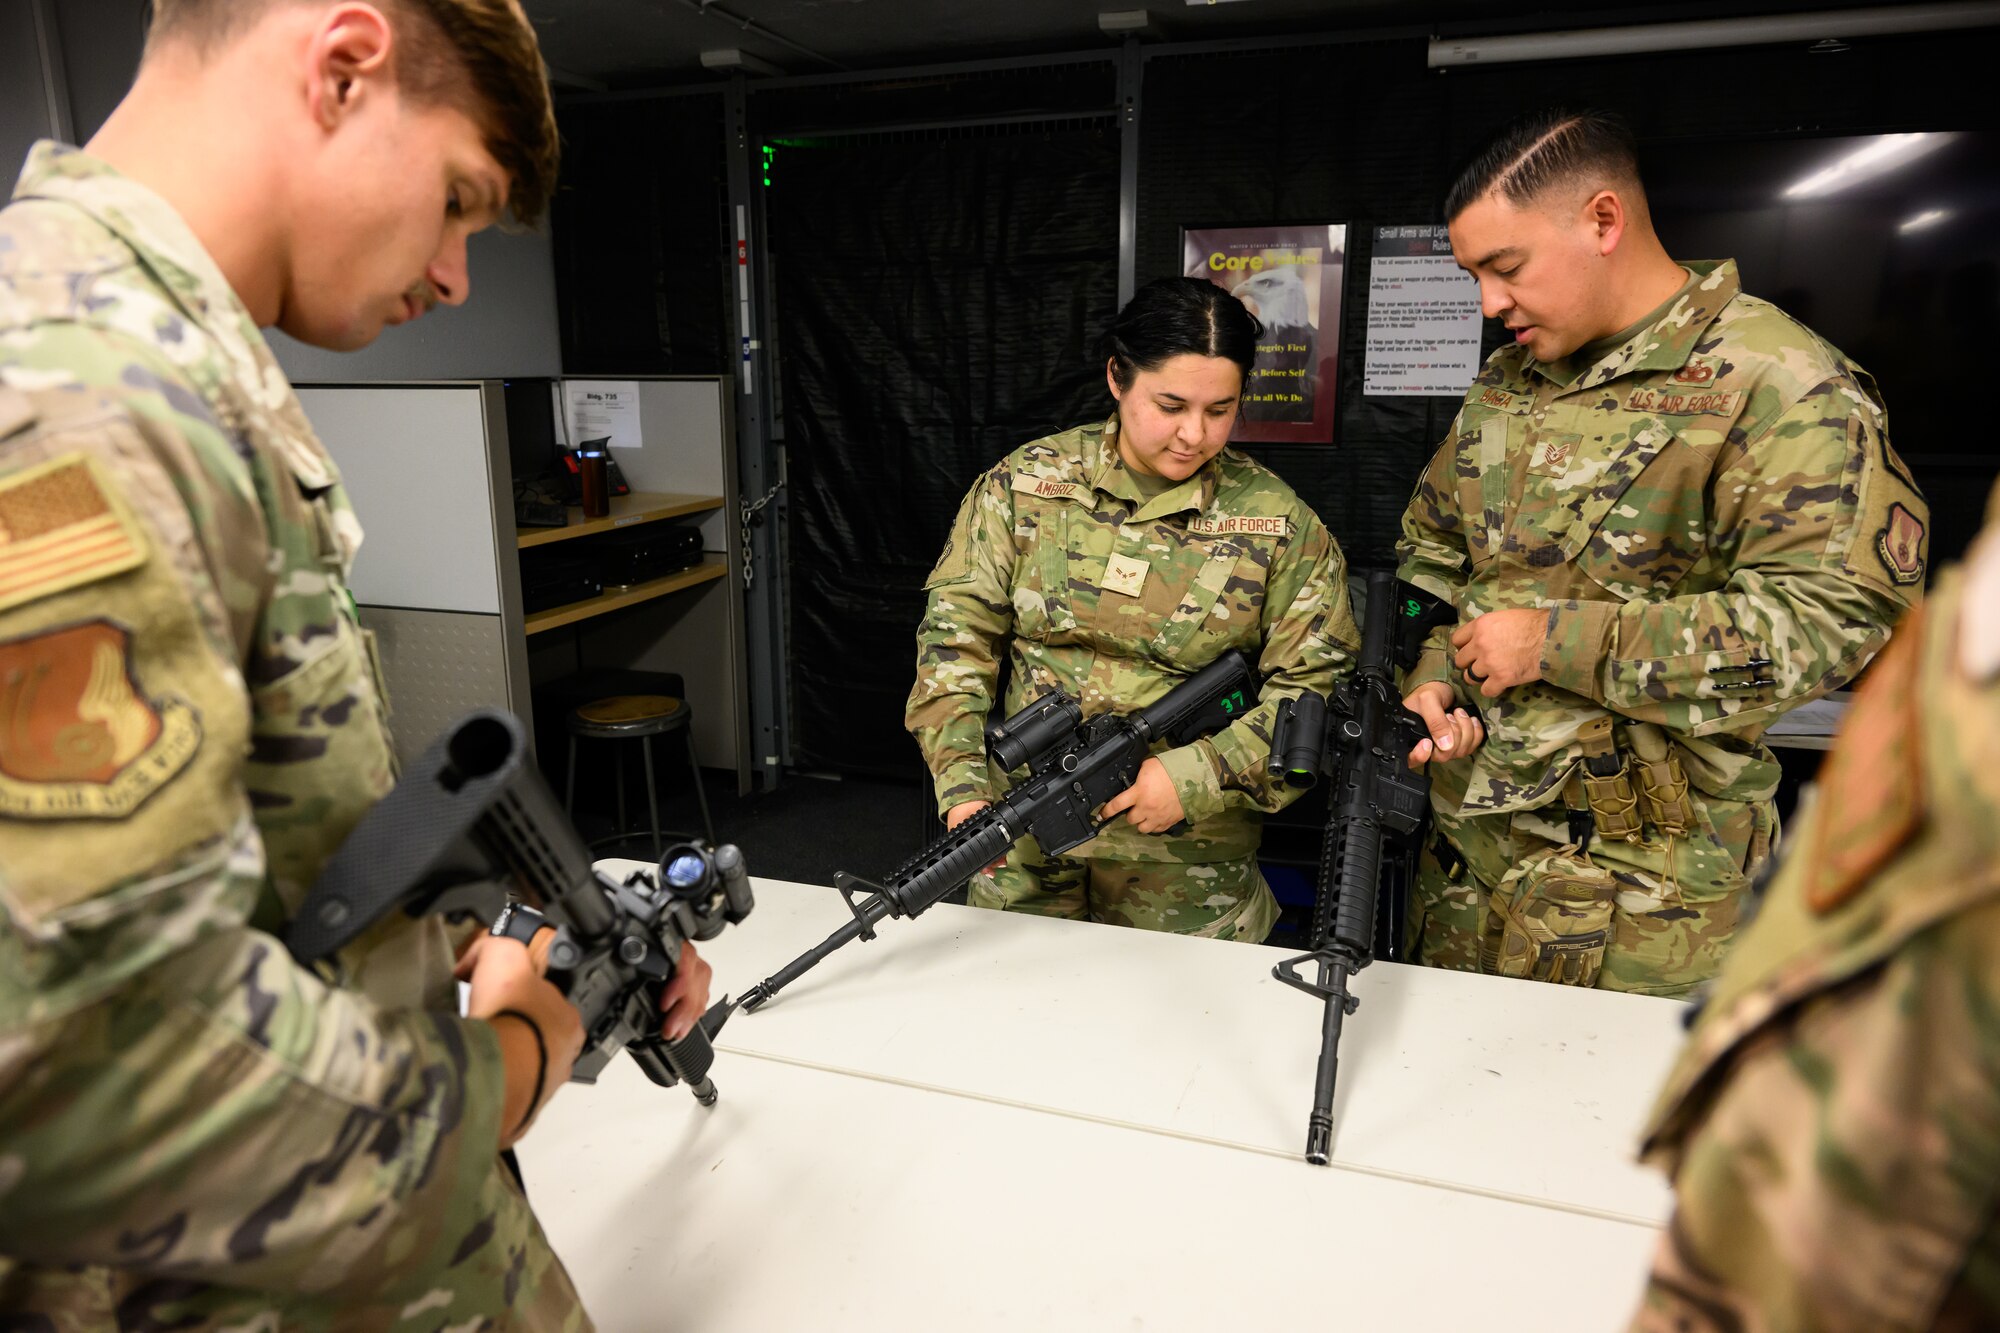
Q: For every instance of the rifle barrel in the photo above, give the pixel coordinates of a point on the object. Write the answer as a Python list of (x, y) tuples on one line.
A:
[(1333, 976), (873, 909), (917, 886)]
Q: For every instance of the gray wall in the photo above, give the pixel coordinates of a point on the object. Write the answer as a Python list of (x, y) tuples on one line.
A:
[(24, 105), (509, 326), (101, 41)]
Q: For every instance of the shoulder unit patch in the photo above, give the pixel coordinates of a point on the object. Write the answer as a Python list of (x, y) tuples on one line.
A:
[(1900, 543), (78, 739)]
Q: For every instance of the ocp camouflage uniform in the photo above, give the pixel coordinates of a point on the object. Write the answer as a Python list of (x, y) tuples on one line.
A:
[(1058, 558), (194, 1131), (1833, 1124), (1712, 515)]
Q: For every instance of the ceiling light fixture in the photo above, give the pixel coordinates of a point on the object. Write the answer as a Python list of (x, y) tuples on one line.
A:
[(1125, 23), (735, 60), (1884, 154), (1646, 38)]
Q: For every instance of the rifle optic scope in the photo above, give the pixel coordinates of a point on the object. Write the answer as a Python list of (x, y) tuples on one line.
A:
[(715, 885), (1023, 739), (1298, 738)]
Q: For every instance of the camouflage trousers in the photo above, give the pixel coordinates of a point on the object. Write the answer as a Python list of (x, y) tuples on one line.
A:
[(1653, 916), (1226, 900)]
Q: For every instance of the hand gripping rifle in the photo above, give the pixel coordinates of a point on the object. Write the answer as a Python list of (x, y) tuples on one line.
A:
[(471, 826), (1378, 803), (1074, 766)]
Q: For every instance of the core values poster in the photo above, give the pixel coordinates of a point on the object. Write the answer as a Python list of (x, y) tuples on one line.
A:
[(1290, 279)]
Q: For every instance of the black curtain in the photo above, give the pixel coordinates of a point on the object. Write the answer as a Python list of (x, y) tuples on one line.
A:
[(641, 253), (1364, 133), (937, 292), (937, 296)]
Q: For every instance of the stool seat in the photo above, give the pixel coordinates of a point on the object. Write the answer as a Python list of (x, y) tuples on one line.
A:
[(640, 717), (629, 715)]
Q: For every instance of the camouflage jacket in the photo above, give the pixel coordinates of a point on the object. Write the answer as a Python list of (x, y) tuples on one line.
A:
[(1713, 517), (194, 1131), (1058, 559), (1833, 1122)]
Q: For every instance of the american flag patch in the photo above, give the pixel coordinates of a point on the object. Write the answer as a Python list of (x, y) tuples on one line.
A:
[(59, 530)]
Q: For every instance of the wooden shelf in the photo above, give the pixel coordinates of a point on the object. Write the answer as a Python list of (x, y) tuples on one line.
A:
[(638, 507), (710, 569)]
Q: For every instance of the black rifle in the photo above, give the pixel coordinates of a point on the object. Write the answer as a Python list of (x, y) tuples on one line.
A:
[(1379, 806), (473, 823), (1074, 766)]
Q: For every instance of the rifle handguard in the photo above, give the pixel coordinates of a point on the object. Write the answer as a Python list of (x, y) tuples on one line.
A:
[(1077, 765)]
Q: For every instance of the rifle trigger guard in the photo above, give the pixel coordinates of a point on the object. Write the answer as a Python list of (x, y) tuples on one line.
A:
[(847, 884)]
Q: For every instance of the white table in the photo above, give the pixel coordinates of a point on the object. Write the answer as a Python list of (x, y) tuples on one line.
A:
[(814, 1202), (987, 1120), (1525, 1091)]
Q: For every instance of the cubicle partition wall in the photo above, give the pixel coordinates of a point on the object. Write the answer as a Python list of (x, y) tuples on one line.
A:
[(438, 578)]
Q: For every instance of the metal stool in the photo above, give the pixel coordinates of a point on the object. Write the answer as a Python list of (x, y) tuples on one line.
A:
[(636, 717)]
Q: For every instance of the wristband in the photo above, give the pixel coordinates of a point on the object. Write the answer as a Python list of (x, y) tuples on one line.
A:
[(541, 1065)]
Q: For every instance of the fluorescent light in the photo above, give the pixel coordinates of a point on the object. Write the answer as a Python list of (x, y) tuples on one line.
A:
[(1930, 217), (1885, 154), (735, 60), (1644, 38), (1124, 22)]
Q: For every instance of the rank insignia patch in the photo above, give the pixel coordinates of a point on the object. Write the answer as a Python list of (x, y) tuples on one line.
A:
[(78, 737), (1553, 451), (1125, 575)]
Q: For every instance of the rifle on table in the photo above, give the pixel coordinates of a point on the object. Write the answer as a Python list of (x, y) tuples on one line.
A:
[(1378, 805), (471, 826), (1074, 766)]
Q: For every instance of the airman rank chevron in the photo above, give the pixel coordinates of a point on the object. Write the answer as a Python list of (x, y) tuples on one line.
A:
[(59, 530), (1256, 525), (1553, 450), (1050, 489)]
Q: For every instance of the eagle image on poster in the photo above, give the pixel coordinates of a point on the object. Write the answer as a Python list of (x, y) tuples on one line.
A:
[(1290, 279)]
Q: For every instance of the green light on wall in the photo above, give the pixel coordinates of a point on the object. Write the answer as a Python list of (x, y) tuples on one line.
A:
[(770, 155)]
